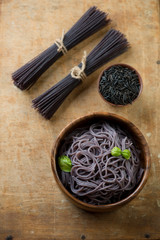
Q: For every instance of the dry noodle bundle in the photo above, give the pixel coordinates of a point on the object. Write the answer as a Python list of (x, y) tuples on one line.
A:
[(112, 45), (92, 21), (96, 176)]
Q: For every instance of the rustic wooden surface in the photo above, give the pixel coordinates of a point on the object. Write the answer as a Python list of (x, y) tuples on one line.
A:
[(31, 204)]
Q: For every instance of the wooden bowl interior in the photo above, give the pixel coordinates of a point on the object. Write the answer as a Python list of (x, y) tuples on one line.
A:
[(136, 137)]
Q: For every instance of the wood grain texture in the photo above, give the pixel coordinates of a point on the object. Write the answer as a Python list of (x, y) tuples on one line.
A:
[(31, 205)]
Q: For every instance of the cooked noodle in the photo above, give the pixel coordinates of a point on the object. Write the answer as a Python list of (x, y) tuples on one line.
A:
[(97, 177)]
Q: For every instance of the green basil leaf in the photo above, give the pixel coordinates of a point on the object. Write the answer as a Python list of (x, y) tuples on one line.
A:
[(126, 154), (65, 163), (116, 152)]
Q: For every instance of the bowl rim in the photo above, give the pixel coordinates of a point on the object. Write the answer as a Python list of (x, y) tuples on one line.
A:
[(80, 203), (123, 65)]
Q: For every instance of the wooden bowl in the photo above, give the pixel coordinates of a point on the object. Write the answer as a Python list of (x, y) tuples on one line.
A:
[(139, 78), (136, 136)]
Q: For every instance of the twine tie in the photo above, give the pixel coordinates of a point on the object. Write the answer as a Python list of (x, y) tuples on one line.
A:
[(77, 72)]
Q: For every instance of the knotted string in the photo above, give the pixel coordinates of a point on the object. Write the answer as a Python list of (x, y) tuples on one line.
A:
[(77, 72), (60, 44)]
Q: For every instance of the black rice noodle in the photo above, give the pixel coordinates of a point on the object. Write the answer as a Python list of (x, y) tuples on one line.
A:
[(112, 45), (97, 177), (91, 21)]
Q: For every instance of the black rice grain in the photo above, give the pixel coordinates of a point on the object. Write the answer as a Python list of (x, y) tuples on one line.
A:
[(119, 85)]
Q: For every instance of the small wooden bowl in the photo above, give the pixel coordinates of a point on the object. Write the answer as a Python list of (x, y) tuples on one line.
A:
[(139, 78), (137, 137)]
